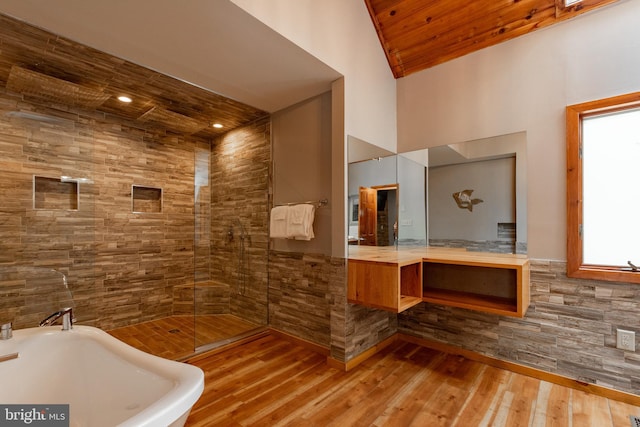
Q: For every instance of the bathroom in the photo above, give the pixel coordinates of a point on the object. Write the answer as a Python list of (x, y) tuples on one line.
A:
[(152, 223), (116, 198), (306, 286), (137, 216)]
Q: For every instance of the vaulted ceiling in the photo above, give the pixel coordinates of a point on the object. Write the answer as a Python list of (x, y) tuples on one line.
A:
[(415, 35), (419, 34)]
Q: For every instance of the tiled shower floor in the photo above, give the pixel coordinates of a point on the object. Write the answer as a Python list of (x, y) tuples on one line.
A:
[(173, 337)]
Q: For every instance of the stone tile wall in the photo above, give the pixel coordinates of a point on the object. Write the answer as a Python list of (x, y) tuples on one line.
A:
[(338, 309), (202, 299), (240, 197), (365, 328), (121, 266), (124, 267), (299, 295), (569, 328), (496, 246), (308, 299)]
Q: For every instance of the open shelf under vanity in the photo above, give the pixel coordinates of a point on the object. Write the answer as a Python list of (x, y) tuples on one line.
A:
[(396, 280)]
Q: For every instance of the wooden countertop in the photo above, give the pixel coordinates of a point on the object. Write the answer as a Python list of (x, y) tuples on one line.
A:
[(409, 255)]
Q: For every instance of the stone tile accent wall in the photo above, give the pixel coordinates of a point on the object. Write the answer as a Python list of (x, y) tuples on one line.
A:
[(240, 191), (203, 298), (496, 246), (338, 311), (126, 267), (308, 299), (121, 266), (569, 328), (299, 294), (367, 327)]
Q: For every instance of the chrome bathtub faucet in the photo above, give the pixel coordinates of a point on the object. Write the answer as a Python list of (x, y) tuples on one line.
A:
[(6, 331), (67, 319)]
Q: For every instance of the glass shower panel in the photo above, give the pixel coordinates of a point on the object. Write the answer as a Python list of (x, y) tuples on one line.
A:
[(231, 277), (202, 305), (47, 219)]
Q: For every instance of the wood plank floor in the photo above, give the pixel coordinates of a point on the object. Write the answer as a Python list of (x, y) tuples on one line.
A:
[(272, 382), (176, 337)]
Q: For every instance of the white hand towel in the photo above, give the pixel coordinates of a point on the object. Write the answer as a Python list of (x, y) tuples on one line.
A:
[(300, 224), (279, 221)]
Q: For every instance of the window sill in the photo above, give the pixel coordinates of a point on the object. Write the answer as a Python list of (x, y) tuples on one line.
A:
[(610, 274)]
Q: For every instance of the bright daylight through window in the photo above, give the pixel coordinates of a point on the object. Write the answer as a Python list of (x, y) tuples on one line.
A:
[(603, 189), (611, 188)]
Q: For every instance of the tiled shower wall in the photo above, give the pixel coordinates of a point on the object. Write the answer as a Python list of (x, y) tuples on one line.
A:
[(122, 267), (569, 328), (240, 187)]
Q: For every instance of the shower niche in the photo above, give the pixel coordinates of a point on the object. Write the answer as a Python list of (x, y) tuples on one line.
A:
[(146, 199), (55, 193)]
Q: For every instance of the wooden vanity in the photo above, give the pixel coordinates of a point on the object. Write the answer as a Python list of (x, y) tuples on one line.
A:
[(397, 279)]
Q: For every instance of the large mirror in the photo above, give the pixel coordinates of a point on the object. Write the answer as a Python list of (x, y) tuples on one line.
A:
[(470, 195), (373, 195)]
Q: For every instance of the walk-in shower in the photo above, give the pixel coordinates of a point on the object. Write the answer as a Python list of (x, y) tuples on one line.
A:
[(132, 203), (143, 259), (231, 265)]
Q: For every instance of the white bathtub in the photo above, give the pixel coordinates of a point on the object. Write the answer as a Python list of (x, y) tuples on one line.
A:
[(105, 381)]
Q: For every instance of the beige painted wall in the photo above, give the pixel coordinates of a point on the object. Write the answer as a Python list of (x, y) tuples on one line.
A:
[(340, 34), (302, 167), (493, 182), (524, 85)]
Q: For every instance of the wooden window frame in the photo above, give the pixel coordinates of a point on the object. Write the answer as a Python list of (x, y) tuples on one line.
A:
[(565, 12), (574, 115)]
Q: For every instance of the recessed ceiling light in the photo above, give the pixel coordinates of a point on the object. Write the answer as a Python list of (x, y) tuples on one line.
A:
[(217, 126), (123, 98)]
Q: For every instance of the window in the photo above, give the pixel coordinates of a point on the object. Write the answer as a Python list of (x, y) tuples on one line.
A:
[(603, 189), (566, 9)]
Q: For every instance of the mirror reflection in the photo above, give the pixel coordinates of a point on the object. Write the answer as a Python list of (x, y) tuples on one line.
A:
[(373, 195), (470, 195), (378, 215)]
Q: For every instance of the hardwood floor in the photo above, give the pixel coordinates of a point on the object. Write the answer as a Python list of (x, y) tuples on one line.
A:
[(272, 382), (176, 337)]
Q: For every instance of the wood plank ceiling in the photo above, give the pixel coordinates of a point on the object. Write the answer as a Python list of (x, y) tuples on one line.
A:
[(51, 70), (419, 34)]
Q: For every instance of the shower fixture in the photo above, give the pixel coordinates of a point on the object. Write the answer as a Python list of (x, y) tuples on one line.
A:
[(243, 269)]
